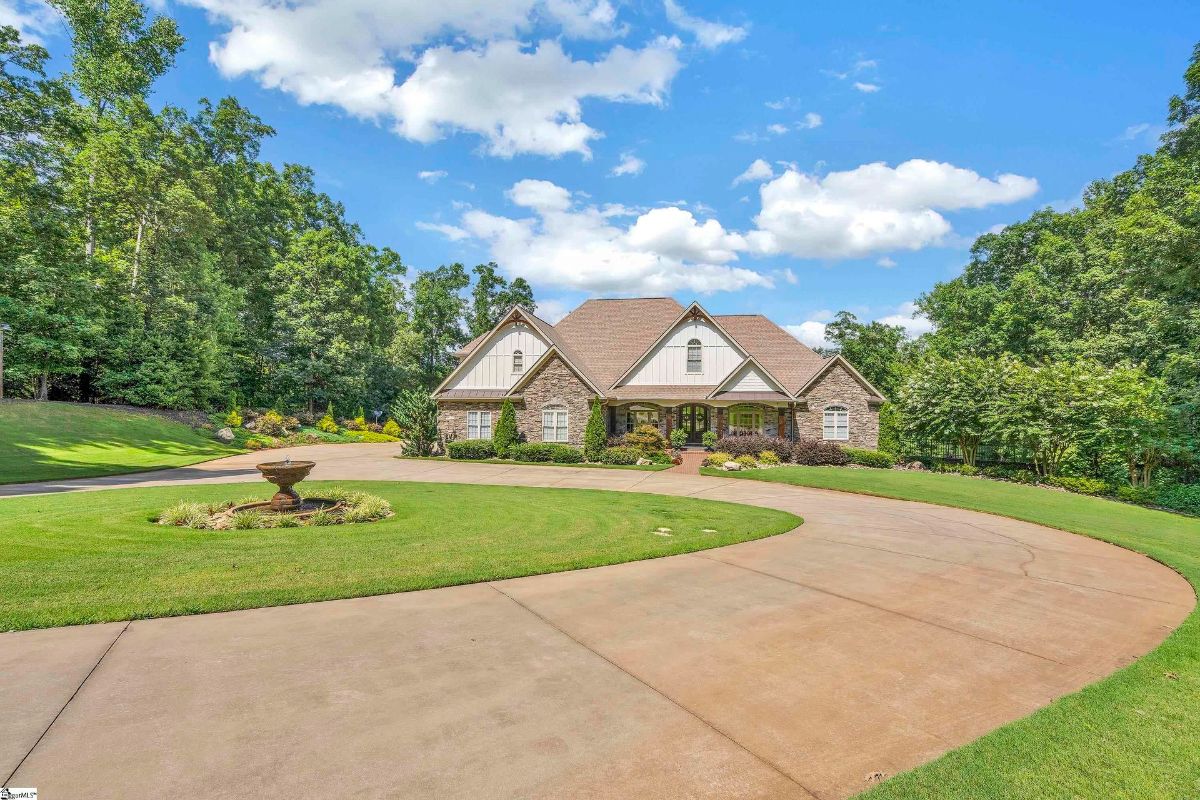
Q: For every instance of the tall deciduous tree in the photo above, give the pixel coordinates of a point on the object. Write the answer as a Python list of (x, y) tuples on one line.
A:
[(437, 311), (492, 296)]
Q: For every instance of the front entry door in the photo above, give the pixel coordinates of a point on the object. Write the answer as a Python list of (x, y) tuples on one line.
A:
[(694, 420)]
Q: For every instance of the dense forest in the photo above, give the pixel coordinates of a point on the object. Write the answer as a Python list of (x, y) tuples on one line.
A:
[(151, 257), (1073, 332)]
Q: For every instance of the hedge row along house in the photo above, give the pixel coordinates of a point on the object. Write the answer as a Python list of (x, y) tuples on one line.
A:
[(652, 361)]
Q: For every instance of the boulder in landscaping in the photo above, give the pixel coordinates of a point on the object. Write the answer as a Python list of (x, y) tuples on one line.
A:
[(224, 435), (731, 466)]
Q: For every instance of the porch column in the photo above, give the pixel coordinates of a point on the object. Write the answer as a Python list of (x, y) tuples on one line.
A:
[(720, 422), (781, 424), (668, 418)]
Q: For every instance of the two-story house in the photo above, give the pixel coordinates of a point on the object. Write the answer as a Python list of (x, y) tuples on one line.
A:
[(651, 361)]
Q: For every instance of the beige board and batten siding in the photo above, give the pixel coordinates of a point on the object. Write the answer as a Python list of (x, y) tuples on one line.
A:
[(492, 366), (667, 364)]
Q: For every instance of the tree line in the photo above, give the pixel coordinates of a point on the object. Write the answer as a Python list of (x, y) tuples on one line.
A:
[(150, 256), (1071, 337)]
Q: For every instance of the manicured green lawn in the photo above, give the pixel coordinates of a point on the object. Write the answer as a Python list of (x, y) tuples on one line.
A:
[(96, 556), (1135, 734), (53, 441), (510, 462)]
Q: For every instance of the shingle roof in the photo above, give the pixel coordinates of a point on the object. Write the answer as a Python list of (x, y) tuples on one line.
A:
[(783, 355), (749, 397), (640, 392), (603, 338), (607, 335)]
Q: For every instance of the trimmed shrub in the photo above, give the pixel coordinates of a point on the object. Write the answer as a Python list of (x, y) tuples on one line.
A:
[(952, 468), (709, 438), (646, 438), (746, 462), (545, 452), (870, 458), (622, 456), (471, 449), (270, 423), (390, 428), (753, 444), (369, 437), (717, 459), (769, 457), (659, 458), (1181, 497), (594, 435), (679, 438), (505, 434), (1079, 485), (234, 418), (327, 423), (1137, 494), (818, 453)]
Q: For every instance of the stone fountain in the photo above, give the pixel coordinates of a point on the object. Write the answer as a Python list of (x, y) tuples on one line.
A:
[(286, 474)]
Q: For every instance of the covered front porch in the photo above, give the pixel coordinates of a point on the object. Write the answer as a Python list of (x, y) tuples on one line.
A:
[(726, 417)]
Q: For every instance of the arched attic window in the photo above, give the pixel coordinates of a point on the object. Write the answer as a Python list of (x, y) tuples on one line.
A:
[(518, 362), (695, 356), (836, 425)]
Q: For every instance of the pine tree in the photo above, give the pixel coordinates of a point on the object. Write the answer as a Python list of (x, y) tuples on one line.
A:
[(505, 435), (594, 436)]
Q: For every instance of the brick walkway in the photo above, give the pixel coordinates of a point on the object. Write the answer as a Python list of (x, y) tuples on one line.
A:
[(692, 459)]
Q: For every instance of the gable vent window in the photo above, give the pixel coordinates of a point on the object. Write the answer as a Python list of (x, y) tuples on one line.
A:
[(695, 357), (518, 362), (837, 423)]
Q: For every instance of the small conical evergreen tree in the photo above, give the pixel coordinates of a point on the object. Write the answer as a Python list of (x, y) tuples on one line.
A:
[(505, 434), (594, 435)]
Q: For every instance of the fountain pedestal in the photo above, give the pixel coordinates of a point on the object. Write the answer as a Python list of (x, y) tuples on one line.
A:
[(285, 475)]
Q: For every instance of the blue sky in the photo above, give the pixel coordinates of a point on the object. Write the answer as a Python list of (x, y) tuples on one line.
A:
[(886, 136)]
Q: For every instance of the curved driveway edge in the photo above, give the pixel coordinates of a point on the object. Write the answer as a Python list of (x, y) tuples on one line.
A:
[(876, 637)]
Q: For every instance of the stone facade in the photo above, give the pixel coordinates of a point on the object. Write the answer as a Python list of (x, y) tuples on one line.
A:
[(554, 386), (452, 417), (838, 387)]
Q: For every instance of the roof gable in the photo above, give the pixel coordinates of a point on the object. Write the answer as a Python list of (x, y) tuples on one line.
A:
[(749, 376), (836, 360), (541, 363), (608, 334), (693, 312), (515, 314)]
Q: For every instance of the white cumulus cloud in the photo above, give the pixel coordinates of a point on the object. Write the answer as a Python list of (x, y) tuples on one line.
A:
[(431, 175), (629, 165), (435, 69), (811, 332), (758, 171), (33, 19), (583, 247), (873, 208), (710, 35), (867, 88)]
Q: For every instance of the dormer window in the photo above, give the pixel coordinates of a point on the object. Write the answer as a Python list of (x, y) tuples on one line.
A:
[(518, 362), (695, 357)]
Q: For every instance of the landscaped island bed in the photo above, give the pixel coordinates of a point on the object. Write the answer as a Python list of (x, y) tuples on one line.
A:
[(57, 441), (99, 556), (1131, 735)]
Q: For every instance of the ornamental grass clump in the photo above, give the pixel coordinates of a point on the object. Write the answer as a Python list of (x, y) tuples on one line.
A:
[(185, 514)]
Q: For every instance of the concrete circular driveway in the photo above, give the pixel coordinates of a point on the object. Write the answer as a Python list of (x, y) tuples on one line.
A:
[(875, 637)]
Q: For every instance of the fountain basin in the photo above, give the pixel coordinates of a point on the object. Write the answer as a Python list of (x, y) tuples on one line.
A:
[(285, 475)]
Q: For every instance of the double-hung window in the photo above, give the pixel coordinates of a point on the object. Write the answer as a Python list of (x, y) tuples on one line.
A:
[(837, 423), (518, 362), (554, 425), (479, 424)]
